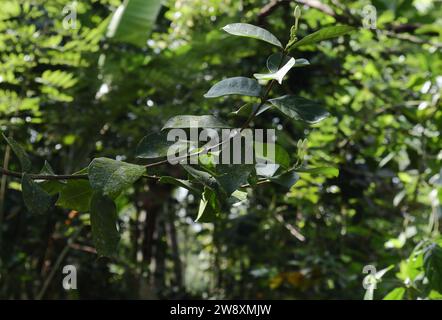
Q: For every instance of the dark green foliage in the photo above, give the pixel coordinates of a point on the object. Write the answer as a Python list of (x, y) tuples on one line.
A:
[(357, 180)]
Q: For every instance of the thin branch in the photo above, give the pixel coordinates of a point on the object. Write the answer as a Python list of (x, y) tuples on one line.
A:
[(16, 174)]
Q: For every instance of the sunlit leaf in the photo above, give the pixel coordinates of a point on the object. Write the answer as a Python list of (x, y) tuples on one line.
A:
[(323, 34), (133, 21), (395, 294), (237, 85), (251, 31), (184, 121), (110, 177)]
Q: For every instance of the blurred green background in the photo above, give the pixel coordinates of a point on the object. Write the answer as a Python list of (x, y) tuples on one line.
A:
[(71, 94)]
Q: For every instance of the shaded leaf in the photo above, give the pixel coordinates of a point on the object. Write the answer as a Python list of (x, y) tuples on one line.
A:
[(251, 31), (104, 224), (237, 85), (50, 186), (300, 108), (155, 145), (180, 183), (286, 179), (21, 154), (232, 176), (110, 176), (36, 199), (75, 195), (433, 266), (202, 176)]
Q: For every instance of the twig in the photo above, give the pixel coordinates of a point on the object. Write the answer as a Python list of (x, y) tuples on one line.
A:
[(16, 174)]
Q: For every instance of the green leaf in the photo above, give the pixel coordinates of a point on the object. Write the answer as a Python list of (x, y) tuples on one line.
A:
[(75, 195), (104, 224), (278, 75), (433, 266), (180, 183), (251, 31), (36, 199), (209, 206), (155, 145), (272, 153), (300, 108), (395, 294), (237, 85), (110, 177), (133, 21), (232, 176), (323, 34), (21, 154), (274, 62), (286, 179), (328, 172), (184, 121), (50, 186)]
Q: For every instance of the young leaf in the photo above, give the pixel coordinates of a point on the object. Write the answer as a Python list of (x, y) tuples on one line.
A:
[(21, 154), (323, 34), (300, 108), (184, 122), (274, 61), (395, 294), (237, 85), (36, 199), (104, 224), (278, 75), (251, 31), (110, 176)]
